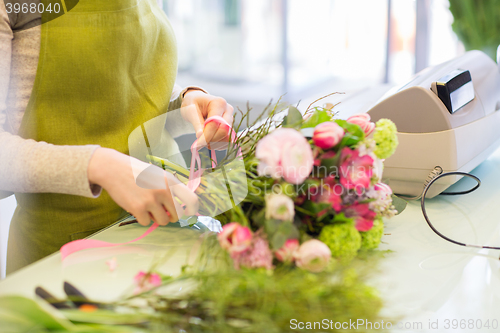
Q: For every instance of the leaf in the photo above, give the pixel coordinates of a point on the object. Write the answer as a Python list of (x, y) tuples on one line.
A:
[(354, 133), (293, 119), (278, 240), (318, 117), (331, 164), (399, 204), (272, 226), (17, 310), (294, 232), (105, 317), (289, 230), (316, 207), (14, 322)]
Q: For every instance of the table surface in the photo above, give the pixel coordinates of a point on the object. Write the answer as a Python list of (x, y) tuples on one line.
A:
[(423, 280)]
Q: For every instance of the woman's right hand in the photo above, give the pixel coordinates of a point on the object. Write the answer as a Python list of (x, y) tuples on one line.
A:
[(120, 174)]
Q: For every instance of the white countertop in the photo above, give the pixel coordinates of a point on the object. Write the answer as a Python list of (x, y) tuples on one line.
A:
[(423, 280), (87, 269)]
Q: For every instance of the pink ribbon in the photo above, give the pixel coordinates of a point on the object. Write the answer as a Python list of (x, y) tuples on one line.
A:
[(84, 244), (193, 183), (195, 176)]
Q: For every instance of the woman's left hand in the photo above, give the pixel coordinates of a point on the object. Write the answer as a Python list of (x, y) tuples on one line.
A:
[(197, 107)]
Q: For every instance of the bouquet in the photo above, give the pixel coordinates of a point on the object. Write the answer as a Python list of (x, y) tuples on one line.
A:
[(314, 190), (292, 193)]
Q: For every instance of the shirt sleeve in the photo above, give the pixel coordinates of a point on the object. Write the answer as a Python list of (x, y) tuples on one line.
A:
[(28, 166), (176, 125)]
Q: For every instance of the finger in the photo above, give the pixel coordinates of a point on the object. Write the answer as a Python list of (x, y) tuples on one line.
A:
[(210, 130), (189, 198), (192, 114), (159, 214), (185, 195), (222, 133), (167, 200), (216, 107), (142, 217)]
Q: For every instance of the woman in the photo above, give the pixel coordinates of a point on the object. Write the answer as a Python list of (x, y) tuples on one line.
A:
[(71, 92)]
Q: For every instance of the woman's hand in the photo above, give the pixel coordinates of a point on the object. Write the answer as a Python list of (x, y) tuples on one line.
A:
[(120, 175), (197, 107)]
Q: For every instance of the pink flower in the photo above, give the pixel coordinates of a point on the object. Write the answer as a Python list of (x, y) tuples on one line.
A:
[(355, 171), (362, 215), (146, 281), (313, 256), (383, 200), (383, 189), (235, 238), (363, 120), (285, 153), (257, 256), (331, 193), (279, 207), (112, 264), (286, 252), (327, 135)]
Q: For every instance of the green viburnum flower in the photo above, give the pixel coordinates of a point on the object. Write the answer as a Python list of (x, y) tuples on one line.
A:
[(371, 239), (385, 138), (343, 240)]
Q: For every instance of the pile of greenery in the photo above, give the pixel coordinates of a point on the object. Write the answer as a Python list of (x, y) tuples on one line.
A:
[(214, 297)]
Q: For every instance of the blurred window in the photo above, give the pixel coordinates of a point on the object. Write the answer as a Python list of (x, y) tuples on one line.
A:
[(299, 44)]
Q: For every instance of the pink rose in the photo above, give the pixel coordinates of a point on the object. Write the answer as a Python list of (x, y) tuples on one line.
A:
[(286, 252), (327, 135), (279, 207), (257, 256), (146, 281), (313, 256), (363, 120), (285, 153), (355, 171), (362, 215), (235, 238)]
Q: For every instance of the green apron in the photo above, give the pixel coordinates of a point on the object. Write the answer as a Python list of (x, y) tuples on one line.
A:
[(105, 68)]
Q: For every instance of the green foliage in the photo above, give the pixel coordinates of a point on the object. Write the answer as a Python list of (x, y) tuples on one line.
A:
[(279, 231), (329, 166), (370, 239), (20, 314), (476, 23), (342, 238), (317, 117), (260, 301), (353, 133), (398, 203), (293, 118), (316, 209)]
